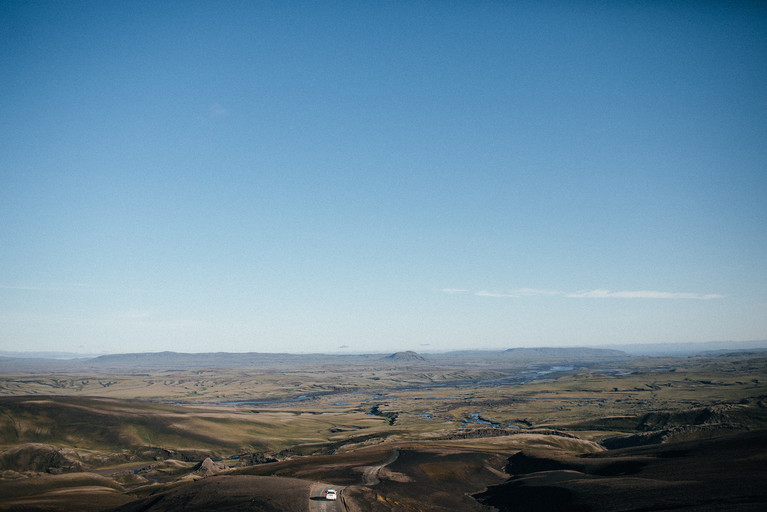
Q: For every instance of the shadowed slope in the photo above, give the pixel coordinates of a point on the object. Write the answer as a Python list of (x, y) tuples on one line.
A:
[(229, 493), (723, 473)]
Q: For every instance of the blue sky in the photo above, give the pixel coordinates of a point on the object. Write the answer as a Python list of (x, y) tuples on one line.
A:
[(380, 176)]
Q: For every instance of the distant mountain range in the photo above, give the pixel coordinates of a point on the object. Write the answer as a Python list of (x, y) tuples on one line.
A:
[(688, 349), (564, 353), (22, 361)]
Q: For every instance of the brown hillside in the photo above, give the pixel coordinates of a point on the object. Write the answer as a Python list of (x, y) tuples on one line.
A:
[(726, 473)]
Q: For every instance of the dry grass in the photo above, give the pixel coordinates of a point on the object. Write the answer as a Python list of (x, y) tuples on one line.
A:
[(133, 430)]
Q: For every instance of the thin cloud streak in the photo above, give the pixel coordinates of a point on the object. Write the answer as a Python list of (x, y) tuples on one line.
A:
[(599, 293), (485, 293), (641, 294), (535, 292)]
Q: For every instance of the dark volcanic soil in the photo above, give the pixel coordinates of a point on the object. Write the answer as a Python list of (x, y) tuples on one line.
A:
[(229, 493), (727, 473), (428, 480)]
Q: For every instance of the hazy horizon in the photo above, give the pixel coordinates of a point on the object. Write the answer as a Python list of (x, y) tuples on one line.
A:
[(629, 348), (361, 176)]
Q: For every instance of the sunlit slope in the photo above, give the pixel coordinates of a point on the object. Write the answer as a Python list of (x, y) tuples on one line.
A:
[(113, 425)]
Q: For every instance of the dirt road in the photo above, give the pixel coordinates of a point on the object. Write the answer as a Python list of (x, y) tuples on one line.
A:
[(317, 501), (371, 473)]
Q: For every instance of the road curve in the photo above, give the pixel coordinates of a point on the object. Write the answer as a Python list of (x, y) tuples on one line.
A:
[(371, 473), (317, 501)]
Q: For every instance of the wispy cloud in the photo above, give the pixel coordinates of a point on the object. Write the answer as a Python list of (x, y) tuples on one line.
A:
[(485, 293), (599, 293), (641, 294), (453, 290), (519, 292), (535, 292)]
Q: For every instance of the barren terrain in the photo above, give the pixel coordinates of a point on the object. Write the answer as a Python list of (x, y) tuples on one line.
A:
[(580, 429)]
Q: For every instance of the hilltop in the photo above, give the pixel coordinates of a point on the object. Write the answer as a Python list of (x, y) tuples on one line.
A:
[(405, 356)]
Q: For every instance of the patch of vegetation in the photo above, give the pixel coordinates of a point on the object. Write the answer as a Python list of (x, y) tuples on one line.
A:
[(390, 416)]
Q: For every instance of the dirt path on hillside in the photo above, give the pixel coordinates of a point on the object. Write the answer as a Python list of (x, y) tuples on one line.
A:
[(370, 474)]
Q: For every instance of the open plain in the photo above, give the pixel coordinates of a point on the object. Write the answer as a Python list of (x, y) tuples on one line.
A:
[(523, 429)]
